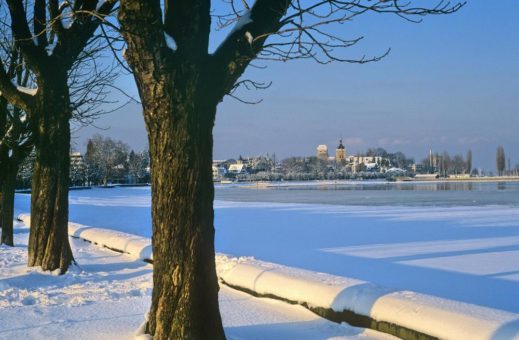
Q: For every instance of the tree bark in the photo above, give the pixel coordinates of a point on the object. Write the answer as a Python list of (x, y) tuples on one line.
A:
[(8, 187), (3, 150), (1, 195), (185, 294), (179, 110), (48, 240)]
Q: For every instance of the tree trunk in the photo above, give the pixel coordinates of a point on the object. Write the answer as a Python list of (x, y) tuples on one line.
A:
[(3, 150), (179, 107), (185, 293), (1, 195), (8, 188), (48, 240)]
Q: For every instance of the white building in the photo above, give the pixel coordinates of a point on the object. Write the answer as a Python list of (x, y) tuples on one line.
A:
[(218, 172), (365, 159), (237, 169), (322, 151), (77, 170)]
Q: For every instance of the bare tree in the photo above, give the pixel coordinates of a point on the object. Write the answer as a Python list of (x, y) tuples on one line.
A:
[(500, 160), (88, 92), (24, 176), (78, 173), (15, 137), (458, 164), (59, 35), (445, 163), (108, 157), (469, 161), (138, 164), (180, 84), (18, 142)]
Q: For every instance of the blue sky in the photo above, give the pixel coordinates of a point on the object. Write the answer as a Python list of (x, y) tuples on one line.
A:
[(450, 83)]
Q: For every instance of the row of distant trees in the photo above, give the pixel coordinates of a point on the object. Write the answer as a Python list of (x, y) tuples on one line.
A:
[(445, 164), (504, 165), (314, 168), (106, 161), (110, 161), (397, 159)]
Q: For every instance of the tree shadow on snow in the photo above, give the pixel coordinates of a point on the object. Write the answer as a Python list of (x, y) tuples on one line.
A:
[(79, 274), (319, 329), (509, 330)]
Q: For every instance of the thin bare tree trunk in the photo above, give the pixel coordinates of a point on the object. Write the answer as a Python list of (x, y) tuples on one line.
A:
[(3, 151), (7, 198)]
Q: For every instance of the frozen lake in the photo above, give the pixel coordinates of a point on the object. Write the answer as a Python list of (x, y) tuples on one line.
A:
[(458, 241), (379, 193)]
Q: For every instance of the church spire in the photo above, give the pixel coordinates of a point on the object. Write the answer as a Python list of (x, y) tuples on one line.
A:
[(340, 153)]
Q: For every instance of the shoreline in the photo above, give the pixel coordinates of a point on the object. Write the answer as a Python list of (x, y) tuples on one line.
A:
[(461, 179), (410, 180)]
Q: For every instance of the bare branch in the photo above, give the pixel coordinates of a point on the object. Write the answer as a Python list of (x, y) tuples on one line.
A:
[(304, 30), (239, 48), (18, 98), (20, 27), (40, 23)]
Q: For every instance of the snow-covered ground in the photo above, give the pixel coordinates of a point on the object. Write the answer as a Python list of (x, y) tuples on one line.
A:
[(107, 295), (465, 253), (468, 253)]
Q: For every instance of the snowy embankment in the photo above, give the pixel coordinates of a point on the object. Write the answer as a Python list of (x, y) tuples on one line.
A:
[(402, 313), (137, 247), (107, 293)]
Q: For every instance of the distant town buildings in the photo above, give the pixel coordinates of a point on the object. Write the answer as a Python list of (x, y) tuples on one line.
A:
[(353, 164), (76, 160), (238, 169), (77, 169), (367, 163), (375, 163), (218, 172), (243, 167)]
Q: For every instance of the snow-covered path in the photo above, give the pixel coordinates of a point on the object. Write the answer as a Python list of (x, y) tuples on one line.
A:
[(107, 296)]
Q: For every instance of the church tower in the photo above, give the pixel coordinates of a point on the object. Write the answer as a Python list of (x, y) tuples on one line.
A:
[(340, 153)]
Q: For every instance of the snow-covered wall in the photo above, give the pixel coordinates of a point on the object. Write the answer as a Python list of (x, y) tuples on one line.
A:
[(424, 314), (436, 317), (137, 247)]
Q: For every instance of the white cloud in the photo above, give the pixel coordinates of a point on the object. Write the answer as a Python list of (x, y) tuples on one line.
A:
[(353, 141), (470, 140)]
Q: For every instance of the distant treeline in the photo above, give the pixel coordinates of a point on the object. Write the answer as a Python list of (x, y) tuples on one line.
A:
[(106, 161)]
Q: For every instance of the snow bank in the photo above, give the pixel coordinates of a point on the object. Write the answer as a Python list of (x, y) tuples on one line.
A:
[(137, 247), (267, 278), (437, 317), (384, 308)]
